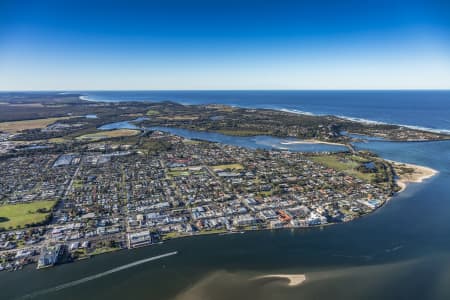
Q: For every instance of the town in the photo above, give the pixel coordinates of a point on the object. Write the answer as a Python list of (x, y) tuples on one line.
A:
[(68, 203)]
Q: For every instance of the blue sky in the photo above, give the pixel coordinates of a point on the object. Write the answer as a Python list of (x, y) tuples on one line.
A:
[(215, 44)]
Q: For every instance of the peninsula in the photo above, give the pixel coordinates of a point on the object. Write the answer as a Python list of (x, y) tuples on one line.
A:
[(81, 178)]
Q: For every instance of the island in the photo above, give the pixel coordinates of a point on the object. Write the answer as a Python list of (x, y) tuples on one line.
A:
[(81, 178)]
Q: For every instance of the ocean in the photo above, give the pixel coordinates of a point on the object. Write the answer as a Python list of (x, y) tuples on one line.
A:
[(428, 110), (401, 251)]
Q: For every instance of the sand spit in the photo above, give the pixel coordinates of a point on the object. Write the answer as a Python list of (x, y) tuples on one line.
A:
[(418, 175)]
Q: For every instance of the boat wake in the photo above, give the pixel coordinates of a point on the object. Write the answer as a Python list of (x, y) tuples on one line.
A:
[(96, 276)]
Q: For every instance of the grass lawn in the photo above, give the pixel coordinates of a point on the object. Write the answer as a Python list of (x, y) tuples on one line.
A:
[(212, 231), (107, 134), (57, 140), (102, 250), (179, 118), (19, 215), (152, 112), (16, 126), (185, 171), (346, 164), (177, 173), (227, 167), (173, 235), (78, 184), (192, 142), (265, 194)]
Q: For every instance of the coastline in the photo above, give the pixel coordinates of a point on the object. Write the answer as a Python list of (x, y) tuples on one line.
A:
[(418, 175), (86, 97)]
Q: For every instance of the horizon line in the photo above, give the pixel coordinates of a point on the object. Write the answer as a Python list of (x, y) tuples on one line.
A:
[(218, 90)]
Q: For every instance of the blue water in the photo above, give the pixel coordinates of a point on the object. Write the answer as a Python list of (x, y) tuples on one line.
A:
[(118, 125), (253, 142), (123, 124), (425, 109)]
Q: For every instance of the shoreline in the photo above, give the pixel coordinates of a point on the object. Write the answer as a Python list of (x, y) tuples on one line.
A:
[(312, 141), (419, 174), (84, 97)]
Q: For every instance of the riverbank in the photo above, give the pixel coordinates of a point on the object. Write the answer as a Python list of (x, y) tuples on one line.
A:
[(311, 141)]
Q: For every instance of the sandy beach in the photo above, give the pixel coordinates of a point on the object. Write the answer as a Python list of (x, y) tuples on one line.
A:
[(410, 173), (294, 279)]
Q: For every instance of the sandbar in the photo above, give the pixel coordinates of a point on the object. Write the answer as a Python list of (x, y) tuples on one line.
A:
[(294, 279)]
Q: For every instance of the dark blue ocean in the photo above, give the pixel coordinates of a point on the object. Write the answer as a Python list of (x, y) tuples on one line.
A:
[(424, 109)]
